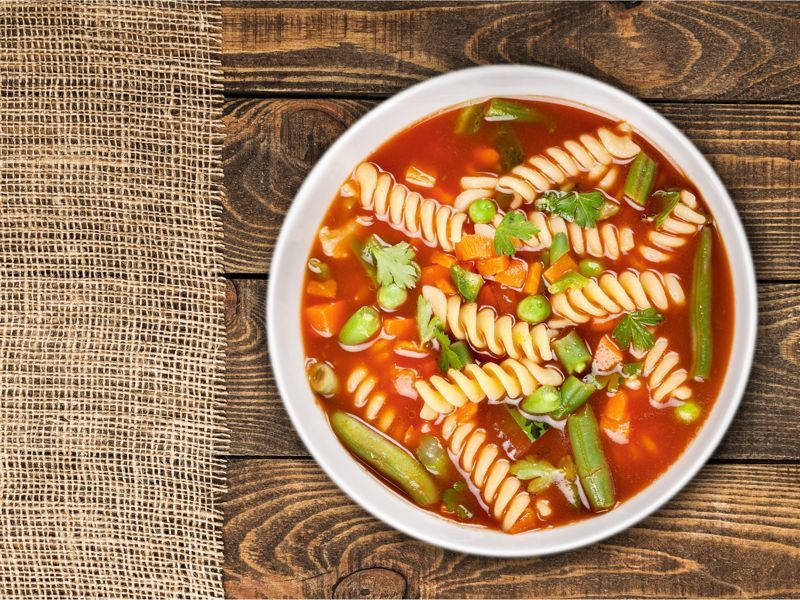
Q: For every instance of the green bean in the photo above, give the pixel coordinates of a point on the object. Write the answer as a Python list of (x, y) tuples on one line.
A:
[(361, 326), (386, 457), (433, 456), (700, 301), (509, 147), (608, 210), (641, 177), (482, 211), (571, 351), (505, 110), (587, 449), (469, 119), (323, 379), (534, 309), (574, 394), (391, 296), (559, 246), (589, 267)]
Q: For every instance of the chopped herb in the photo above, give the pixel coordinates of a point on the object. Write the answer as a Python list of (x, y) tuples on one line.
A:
[(584, 208), (669, 200), (632, 329), (513, 225), (395, 264), (632, 369), (532, 429), (427, 323), (452, 355)]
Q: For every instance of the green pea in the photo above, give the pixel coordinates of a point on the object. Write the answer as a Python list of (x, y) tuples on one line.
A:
[(589, 267), (533, 309), (544, 400), (391, 296), (361, 326), (482, 211), (323, 379), (687, 412)]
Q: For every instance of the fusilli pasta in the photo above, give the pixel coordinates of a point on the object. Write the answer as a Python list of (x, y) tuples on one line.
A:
[(684, 221), (664, 378), (484, 330), (489, 472), (403, 209), (361, 384), (611, 294), (604, 240), (592, 155), (475, 383)]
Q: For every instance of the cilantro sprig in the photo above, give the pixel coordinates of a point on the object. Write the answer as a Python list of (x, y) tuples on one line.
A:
[(669, 200), (452, 355), (632, 329), (394, 264), (427, 322), (584, 208), (513, 226)]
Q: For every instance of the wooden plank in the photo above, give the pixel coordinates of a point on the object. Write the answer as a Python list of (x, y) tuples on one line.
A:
[(764, 429), (289, 532), (656, 50), (271, 145)]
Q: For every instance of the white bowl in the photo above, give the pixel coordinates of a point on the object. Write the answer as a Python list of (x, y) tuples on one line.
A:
[(308, 210)]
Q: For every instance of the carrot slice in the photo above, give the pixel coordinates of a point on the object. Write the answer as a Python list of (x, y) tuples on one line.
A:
[(323, 289), (534, 279), (607, 355), (445, 260), (399, 327), (616, 419), (528, 520), (561, 267), (474, 246), (486, 156), (467, 412), (493, 265), (327, 319), (514, 275)]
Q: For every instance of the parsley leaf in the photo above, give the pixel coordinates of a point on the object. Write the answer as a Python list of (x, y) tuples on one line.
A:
[(631, 329), (395, 264), (452, 355), (632, 369), (583, 208), (513, 225), (532, 429), (427, 323), (669, 200)]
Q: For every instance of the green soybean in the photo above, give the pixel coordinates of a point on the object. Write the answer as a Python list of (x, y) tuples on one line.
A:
[(391, 296), (386, 457), (687, 412), (361, 326), (533, 309), (482, 211), (587, 449), (590, 267)]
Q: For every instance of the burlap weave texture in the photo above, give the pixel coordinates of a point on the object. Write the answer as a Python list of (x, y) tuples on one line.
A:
[(111, 323)]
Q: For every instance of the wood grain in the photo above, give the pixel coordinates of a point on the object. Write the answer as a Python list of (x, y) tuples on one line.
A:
[(764, 429), (271, 145), (289, 532), (656, 50)]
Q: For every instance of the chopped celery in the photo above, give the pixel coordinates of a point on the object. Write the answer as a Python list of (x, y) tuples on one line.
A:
[(572, 352), (666, 201), (568, 281)]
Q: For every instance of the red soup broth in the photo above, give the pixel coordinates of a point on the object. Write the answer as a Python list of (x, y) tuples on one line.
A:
[(389, 363)]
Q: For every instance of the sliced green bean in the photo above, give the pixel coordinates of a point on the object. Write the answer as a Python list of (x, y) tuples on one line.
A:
[(640, 180), (559, 246), (574, 394), (700, 301), (361, 326), (386, 457), (543, 400), (587, 449), (433, 456), (469, 119), (572, 352), (509, 147), (323, 379)]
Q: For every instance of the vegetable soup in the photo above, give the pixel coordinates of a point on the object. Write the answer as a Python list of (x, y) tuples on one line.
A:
[(517, 313)]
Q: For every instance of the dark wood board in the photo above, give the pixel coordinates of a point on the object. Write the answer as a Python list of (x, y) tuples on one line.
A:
[(655, 50)]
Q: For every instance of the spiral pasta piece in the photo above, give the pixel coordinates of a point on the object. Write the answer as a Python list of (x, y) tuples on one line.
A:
[(406, 211), (361, 384), (611, 294), (592, 156), (484, 330), (475, 383), (487, 470), (684, 221), (664, 378), (605, 240)]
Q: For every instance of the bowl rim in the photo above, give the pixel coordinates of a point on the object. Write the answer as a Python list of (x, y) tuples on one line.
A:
[(316, 434)]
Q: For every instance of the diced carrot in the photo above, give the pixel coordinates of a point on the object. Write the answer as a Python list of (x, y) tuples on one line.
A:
[(607, 355), (616, 420), (561, 267), (399, 327), (528, 520), (466, 413), (445, 260), (323, 289), (486, 156), (493, 265), (327, 319), (514, 275), (534, 279), (502, 298), (649, 445), (616, 408), (474, 246), (438, 276)]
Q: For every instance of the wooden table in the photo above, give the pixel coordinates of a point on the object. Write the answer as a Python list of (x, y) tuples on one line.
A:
[(727, 74)]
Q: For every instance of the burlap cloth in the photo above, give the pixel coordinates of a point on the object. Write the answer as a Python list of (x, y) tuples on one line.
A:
[(111, 315)]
